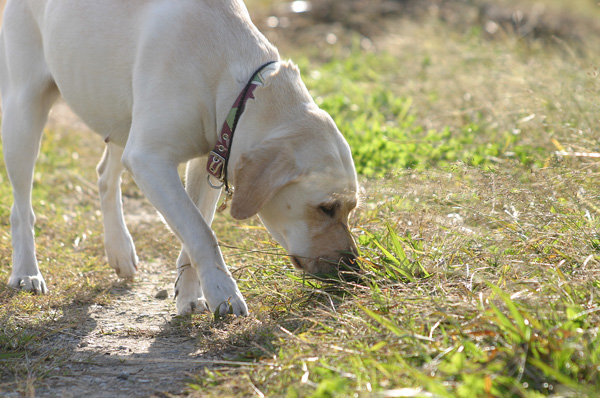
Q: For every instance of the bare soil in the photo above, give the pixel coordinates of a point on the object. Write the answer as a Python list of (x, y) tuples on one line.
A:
[(130, 345), (128, 348)]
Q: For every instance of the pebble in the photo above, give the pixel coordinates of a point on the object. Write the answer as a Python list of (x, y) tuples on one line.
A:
[(162, 294)]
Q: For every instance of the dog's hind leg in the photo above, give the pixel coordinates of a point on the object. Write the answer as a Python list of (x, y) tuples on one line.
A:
[(188, 291), (120, 250), (28, 92)]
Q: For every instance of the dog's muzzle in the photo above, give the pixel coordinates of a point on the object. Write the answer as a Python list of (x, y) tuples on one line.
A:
[(346, 263)]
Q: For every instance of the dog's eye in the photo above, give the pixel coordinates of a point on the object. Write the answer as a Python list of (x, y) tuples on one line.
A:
[(329, 209)]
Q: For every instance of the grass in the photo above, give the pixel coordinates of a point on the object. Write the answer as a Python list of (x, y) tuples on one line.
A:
[(498, 300), (479, 244), (376, 120)]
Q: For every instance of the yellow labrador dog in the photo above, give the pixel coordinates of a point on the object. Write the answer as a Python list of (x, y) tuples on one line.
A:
[(166, 82)]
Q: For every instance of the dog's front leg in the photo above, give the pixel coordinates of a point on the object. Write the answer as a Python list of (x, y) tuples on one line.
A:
[(188, 291), (25, 106), (157, 177)]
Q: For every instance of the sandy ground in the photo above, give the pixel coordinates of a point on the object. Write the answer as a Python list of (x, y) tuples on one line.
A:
[(130, 348), (126, 349)]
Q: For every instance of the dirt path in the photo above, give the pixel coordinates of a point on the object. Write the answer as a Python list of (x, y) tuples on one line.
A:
[(128, 348)]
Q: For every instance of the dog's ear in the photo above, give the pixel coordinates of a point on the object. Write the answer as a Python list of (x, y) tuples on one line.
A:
[(269, 73), (259, 174)]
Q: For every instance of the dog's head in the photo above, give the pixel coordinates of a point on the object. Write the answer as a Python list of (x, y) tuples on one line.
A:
[(300, 179)]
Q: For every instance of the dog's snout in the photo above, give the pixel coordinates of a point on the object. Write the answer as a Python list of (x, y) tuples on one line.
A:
[(333, 264)]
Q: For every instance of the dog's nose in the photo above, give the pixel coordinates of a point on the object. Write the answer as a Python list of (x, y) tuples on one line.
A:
[(334, 265)]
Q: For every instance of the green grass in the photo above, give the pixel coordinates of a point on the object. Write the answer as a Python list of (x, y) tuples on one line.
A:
[(479, 245), (385, 134), (502, 303)]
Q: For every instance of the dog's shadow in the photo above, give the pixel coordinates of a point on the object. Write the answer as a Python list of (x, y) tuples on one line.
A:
[(137, 353), (79, 350)]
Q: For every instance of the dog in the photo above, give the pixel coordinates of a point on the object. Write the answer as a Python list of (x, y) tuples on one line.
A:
[(157, 79)]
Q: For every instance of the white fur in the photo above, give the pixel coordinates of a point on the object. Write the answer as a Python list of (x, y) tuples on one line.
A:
[(156, 79)]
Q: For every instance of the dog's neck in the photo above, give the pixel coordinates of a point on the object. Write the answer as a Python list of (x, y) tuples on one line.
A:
[(266, 117), (218, 158)]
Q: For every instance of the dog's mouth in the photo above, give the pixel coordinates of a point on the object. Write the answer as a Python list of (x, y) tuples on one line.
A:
[(343, 268)]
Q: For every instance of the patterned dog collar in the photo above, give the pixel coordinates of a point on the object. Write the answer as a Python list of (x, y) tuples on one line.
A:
[(219, 156)]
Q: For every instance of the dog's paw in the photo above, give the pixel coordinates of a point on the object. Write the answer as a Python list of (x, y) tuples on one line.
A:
[(223, 297), (234, 305), (29, 283), (188, 292), (190, 305), (121, 256)]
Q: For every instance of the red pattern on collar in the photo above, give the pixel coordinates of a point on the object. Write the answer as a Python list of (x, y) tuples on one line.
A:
[(217, 158)]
